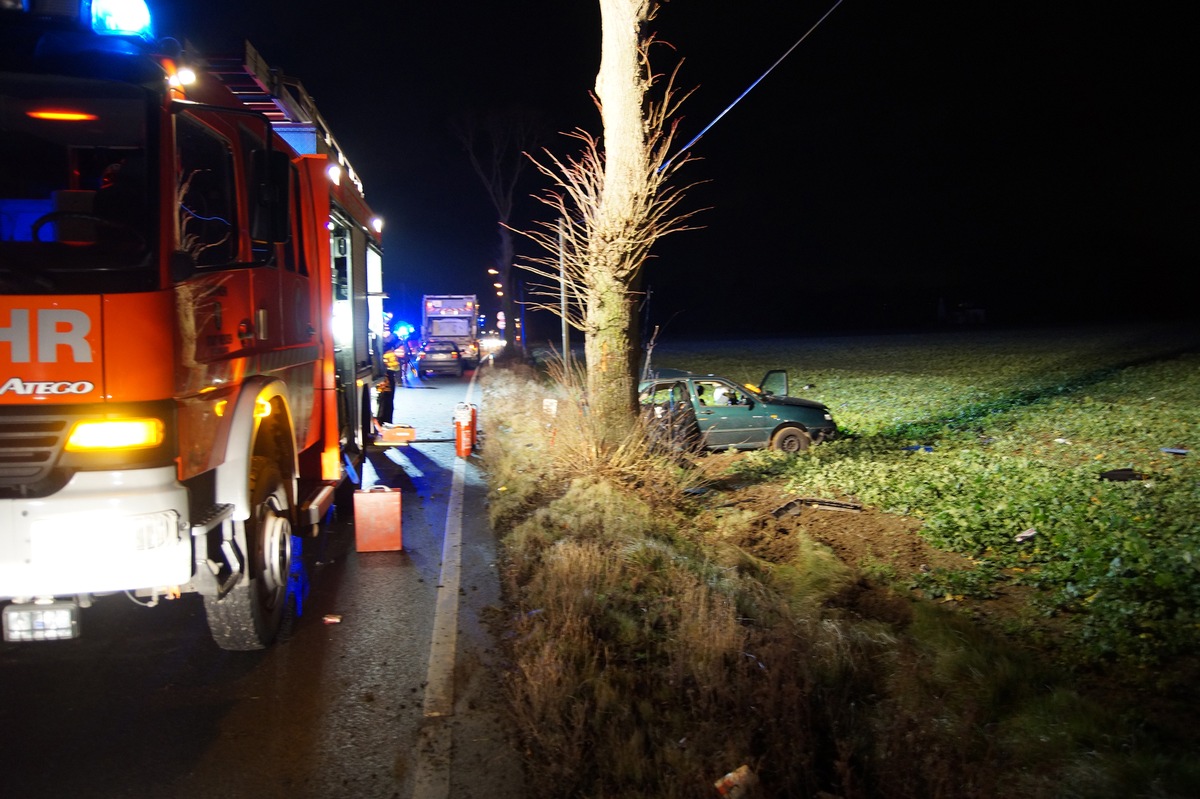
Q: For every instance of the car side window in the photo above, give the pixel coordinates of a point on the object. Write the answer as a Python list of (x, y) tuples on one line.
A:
[(712, 392), (663, 395), (716, 393), (660, 395)]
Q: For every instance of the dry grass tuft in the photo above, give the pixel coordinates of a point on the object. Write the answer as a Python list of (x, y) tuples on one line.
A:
[(549, 440)]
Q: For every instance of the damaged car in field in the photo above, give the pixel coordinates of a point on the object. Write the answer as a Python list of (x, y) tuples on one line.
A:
[(686, 411)]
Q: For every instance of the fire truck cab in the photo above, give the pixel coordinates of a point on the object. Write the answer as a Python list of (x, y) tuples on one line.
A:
[(190, 288)]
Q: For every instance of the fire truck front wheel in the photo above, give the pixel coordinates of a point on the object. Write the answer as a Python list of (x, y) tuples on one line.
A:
[(250, 616)]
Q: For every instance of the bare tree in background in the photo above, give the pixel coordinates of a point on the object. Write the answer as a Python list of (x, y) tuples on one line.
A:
[(613, 202), (496, 146)]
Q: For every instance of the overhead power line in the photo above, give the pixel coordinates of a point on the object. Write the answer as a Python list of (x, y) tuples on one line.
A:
[(751, 86)]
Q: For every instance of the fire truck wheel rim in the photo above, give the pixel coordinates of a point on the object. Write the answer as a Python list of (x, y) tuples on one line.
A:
[(277, 549)]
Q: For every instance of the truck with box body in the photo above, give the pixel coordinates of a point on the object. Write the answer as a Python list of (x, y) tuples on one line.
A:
[(452, 317)]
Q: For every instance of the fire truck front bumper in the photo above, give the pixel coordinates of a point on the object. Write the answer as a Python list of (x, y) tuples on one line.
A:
[(103, 532)]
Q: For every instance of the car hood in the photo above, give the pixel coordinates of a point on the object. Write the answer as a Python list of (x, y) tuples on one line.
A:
[(799, 401)]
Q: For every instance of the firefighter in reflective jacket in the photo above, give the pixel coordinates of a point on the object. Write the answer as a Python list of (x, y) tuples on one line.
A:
[(392, 364)]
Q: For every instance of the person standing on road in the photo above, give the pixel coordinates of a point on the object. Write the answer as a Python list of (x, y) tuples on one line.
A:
[(393, 364), (412, 347)]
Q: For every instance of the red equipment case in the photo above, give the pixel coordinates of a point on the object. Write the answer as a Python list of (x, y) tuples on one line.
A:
[(377, 520)]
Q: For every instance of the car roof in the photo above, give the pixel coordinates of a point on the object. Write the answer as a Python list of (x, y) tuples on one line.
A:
[(674, 374), (663, 375)]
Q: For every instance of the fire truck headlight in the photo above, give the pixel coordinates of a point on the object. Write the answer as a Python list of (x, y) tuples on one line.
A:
[(184, 76), (115, 434)]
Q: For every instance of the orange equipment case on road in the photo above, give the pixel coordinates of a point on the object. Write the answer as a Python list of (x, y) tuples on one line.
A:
[(395, 435), (377, 520)]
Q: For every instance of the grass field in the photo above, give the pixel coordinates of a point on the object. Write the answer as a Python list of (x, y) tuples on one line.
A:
[(662, 631), (1022, 425)]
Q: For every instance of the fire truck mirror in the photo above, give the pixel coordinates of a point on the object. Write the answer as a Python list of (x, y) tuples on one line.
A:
[(272, 169)]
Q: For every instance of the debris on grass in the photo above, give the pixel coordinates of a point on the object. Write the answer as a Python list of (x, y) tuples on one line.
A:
[(1123, 475), (737, 783), (793, 507)]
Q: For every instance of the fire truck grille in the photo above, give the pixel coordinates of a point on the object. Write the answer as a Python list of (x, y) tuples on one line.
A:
[(29, 447)]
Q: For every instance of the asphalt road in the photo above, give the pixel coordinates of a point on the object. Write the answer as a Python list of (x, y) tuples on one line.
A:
[(145, 704)]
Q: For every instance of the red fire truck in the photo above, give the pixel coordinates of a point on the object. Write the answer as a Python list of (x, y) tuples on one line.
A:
[(188, 290)]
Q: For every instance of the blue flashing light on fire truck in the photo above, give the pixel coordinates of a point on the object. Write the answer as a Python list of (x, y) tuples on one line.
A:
[(189, 296)]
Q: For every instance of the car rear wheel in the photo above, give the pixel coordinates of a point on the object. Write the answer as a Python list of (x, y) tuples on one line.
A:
[(791, 439)]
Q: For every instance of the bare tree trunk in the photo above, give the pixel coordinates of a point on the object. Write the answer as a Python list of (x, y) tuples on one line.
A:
[(621, 88), (612, 202), (611, 386)]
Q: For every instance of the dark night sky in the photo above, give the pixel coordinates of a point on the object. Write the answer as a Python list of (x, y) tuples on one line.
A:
[(1026, 156)]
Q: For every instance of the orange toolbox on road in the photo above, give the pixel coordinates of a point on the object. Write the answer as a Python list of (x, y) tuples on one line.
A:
[(395, 435), (377, 520)]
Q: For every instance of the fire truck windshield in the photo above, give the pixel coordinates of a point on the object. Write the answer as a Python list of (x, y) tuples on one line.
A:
[(78, 191)]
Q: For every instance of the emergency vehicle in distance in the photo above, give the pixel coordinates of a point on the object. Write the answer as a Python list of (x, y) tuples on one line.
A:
[(452, 317), (189, 283)]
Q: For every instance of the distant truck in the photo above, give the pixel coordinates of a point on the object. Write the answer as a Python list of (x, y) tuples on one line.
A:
[(452, 317)]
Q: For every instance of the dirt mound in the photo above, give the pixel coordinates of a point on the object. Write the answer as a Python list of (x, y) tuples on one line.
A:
[(884, 550), (862, 537)]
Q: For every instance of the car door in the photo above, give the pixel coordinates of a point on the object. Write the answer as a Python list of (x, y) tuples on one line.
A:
[(734, 422), (667, 412)]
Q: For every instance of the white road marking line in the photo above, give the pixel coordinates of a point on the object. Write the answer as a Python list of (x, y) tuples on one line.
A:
[(432, 777), (439, 688)]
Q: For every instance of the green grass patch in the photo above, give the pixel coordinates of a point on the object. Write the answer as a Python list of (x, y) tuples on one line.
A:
[(1020, 435)]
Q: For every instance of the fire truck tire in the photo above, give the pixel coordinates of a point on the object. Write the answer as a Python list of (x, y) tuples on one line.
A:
[(249, 617)]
